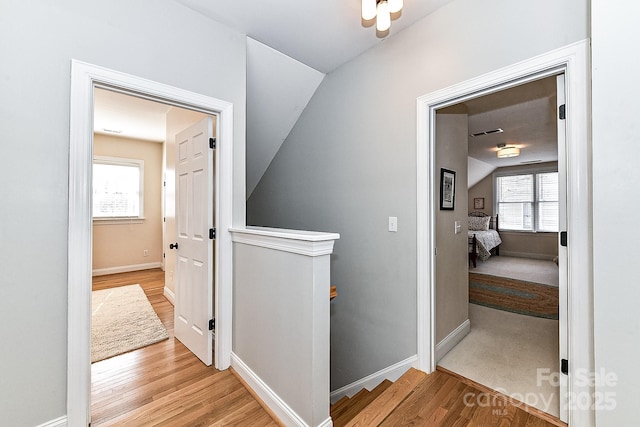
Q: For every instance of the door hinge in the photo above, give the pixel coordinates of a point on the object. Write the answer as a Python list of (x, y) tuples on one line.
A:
[(212, 233), (164, 219), (164, 255), (164, 183), (564, 366), (212, 324), (212, 143), (562, 112), (563, 238)]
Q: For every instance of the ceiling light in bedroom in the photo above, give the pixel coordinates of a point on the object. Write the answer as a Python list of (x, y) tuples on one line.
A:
[(506, 152), (381, 10)]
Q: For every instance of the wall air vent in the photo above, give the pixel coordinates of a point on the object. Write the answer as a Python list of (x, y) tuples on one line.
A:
[(111, 130), (487, 132)]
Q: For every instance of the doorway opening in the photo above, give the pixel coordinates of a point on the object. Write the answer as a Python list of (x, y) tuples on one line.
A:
[(498, 321), (572, 62), (133, 265), (85, 79)]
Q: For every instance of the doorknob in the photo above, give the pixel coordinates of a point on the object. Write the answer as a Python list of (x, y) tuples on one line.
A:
[(173, 246)]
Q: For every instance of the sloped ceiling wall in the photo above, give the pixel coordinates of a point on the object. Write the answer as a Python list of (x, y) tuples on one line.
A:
[(477, 170), (278, 90)]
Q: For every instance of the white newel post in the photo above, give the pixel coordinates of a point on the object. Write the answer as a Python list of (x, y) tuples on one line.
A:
[(281, 320)]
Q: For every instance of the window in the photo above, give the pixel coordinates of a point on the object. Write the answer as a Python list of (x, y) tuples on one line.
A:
[(117, 188), (528, 202)]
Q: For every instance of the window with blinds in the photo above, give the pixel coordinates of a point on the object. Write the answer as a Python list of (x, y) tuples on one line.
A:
[(117, 187), (528, 202)]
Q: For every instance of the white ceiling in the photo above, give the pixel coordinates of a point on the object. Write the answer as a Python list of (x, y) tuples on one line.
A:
[(321, 34), (127, 116)]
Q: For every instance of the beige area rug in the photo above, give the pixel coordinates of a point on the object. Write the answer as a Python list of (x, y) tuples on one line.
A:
[(122, 319)]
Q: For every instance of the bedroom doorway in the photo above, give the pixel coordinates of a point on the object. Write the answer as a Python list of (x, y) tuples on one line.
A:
[(570, 61), (499, 326), (85, 78)]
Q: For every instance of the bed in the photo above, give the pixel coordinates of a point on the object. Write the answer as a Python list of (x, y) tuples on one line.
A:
[(484, 239)]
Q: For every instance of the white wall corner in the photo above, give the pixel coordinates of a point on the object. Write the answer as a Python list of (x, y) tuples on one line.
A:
[(58, 422), (169, 295), (452, 339), (391, 373), (279, 407)]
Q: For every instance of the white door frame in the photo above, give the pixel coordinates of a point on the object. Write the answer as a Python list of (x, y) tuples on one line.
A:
[(573, 61), (84, 77)]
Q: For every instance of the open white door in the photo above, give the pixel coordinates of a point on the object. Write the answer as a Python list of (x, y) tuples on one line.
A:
[(562, 249), (194, 219)]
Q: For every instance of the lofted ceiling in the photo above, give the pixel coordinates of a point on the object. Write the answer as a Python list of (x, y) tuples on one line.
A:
[(526, 114), (321, 34)]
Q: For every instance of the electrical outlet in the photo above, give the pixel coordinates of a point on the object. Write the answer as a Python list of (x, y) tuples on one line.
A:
[(145, 252)]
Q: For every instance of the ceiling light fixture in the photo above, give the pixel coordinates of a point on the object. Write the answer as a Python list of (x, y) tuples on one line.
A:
[(381, 10), (506, 152)]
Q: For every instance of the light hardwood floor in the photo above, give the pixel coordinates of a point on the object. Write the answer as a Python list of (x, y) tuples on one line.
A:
[(164, 383)]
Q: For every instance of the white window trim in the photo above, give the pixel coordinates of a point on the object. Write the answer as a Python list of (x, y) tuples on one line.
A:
[(122, 161), (524, 170)]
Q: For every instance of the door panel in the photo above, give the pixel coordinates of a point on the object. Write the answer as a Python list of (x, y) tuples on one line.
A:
[(194, 217)]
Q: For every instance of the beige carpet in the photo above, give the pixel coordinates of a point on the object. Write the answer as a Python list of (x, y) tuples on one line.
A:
[(122, 319), (529, 270), (504, 351)]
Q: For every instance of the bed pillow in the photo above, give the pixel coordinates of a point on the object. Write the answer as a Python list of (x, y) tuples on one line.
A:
[(479, 223)]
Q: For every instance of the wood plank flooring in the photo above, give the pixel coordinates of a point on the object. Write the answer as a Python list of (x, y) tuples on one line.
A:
[(164, 383)]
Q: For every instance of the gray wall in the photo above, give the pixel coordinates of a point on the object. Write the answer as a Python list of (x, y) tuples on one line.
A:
[(616, 179), (452, 261), (281, 324), (349, 163), (38, 39)]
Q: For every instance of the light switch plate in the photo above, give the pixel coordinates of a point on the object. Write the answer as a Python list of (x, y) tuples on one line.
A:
[(458, 227), (393, 223)]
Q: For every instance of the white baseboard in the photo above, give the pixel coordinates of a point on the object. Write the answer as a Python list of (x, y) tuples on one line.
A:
[(283, 411), (125, 268), (169, 295), (527, 255), (452, 339), (391, 373), (58, 422)]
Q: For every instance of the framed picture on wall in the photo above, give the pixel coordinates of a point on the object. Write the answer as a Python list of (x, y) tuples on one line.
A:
[(478, 203), (447, 189)]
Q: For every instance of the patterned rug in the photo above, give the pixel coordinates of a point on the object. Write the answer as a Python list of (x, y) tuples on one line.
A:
[(516, 296), (122, 319)]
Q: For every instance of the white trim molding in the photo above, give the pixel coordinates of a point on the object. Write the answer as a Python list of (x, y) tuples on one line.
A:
[(573, 62), (309, 243), (125, 268), (58, 422), (283, 411), (84, 78), (169, 295), (452, 339), (391, 373)]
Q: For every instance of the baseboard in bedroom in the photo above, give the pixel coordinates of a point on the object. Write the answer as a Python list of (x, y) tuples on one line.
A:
[(269, 398), (527, 255), (452, 339), (369, 382), (125, 268), (58, 422), (169, 295)]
